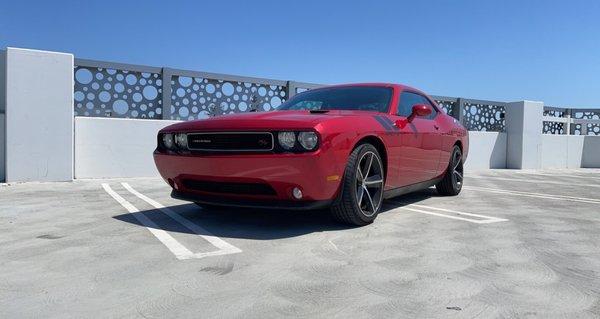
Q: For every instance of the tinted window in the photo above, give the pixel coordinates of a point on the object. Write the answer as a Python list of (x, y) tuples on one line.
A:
[(409, 99), (362, 98)]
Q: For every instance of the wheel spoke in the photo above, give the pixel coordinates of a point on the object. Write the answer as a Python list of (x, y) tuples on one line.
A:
[(368, 167), (373, 181), (369, 183), (359, 175), (457, 160), (360, 192), (459, 176), (370, 200)]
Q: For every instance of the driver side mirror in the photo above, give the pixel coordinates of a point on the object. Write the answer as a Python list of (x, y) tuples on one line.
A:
[(419, 110)]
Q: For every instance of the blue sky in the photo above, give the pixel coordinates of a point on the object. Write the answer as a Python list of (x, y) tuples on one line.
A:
[(497, 50)]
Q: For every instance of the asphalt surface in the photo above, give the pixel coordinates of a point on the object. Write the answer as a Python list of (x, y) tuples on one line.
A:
[(513, 244)]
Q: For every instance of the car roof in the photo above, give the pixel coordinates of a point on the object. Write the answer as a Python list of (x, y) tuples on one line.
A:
[(401, 87)]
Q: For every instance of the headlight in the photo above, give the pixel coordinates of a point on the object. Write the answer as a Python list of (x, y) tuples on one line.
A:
[(181, 140), (287, 139), (167, 140), (308, 140)]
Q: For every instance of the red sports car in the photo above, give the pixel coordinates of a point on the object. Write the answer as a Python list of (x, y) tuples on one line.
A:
[(346, 147)]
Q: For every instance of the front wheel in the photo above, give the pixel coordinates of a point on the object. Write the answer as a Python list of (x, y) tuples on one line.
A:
[(362, 187), (452, 182)]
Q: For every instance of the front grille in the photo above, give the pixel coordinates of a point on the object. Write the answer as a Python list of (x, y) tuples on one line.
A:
[(229, 188), (230, 141)]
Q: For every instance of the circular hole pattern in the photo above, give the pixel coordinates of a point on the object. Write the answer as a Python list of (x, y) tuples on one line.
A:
[(79, 96), (227, 89), (210, 88), (104, 96), (484, 117), (185, 81), (275, 101), (131, 79), (135, 94), (126, 89), (120, 107), (83, 76), (216, 97), (119, 88), (150, 92)]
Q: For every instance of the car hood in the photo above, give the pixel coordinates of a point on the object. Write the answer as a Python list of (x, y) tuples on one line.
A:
[(264, 120)]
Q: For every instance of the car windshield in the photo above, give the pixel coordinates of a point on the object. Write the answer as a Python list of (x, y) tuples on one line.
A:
[(356, 98)]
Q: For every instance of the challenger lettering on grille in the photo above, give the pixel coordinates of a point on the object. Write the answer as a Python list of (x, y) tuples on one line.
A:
[(231, 141)]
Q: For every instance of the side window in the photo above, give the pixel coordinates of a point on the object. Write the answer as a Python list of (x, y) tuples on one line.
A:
[(409, 99), (433, 111)]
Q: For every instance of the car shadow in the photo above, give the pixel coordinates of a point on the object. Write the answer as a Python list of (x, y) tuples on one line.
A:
[(259, 224)]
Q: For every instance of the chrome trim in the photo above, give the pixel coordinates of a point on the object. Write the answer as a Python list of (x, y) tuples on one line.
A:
[(230, 150)]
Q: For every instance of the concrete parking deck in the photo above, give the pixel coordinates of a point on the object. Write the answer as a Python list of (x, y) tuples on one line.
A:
[(513, 244)]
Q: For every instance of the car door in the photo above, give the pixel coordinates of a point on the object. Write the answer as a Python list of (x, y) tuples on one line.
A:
[(420, 142)]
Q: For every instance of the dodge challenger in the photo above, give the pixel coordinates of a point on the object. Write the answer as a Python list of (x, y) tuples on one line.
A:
[(346, 147)]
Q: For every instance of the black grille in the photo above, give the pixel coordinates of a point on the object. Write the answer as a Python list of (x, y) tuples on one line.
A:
[(234, 141), (229, 188)]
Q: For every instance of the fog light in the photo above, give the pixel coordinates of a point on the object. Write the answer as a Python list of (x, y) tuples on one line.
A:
[(297, 193)]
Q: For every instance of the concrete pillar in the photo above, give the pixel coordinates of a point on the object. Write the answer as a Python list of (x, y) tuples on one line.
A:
[(2, 110), (39, 116), (2, 149), (524, 134)]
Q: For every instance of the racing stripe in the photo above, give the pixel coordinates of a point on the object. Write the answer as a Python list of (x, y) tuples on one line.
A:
[(390, 122), (383, 123)]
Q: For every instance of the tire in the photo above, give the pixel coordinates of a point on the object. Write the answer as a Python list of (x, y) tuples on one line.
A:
[(361, 198), (451, 183)]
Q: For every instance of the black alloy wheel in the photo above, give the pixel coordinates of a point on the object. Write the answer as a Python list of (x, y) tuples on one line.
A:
[(362, 187)]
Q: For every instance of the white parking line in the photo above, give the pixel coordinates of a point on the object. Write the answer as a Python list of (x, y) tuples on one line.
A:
[(560, 175), (224, 247), (536, 195), (483, 219), (180, 251), (171, 243), (535, 181)]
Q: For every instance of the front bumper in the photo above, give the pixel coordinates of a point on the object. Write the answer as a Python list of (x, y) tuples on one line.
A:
[(276, 204), (316, 174)]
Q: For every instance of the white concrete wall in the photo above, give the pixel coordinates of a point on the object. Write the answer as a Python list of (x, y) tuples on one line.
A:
[(574, 151), (2, 149), (2, 110), (486, 150), (106, 147), (555, 150), (109, 148), (570, 151), (2, 81), (590, 157), (39, 115)]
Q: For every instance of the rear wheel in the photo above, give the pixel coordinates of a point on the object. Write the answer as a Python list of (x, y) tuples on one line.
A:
[(452, 182), (362, 187)]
